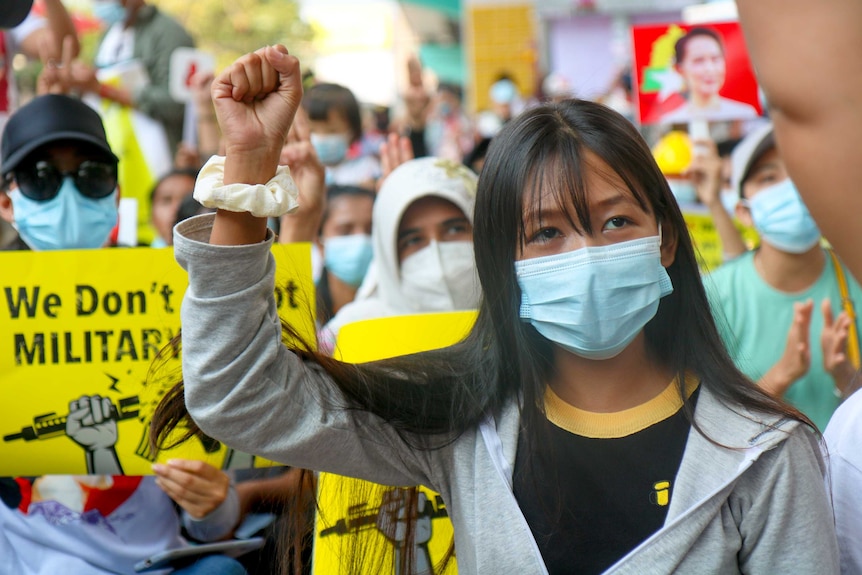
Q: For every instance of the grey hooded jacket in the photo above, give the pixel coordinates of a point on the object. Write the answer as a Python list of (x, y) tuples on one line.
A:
[(758, 506)]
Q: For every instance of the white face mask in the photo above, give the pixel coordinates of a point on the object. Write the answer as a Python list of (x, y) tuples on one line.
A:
[(441, 277)]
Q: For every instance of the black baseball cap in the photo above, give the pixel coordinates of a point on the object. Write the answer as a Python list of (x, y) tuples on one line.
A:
[(14, 12), (47, 119)]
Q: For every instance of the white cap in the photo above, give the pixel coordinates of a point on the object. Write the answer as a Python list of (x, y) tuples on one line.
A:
[(747, 152)]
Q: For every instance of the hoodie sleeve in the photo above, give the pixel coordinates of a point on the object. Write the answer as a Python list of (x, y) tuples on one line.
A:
[(783, 513), (245, 388)]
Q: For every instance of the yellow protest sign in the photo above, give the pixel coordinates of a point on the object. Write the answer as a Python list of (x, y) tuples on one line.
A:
[(361, 526), (79, 324), (707, 242)]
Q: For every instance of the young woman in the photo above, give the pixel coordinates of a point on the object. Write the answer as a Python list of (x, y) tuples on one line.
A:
[(422, 242), (345, 238), (591, 421)]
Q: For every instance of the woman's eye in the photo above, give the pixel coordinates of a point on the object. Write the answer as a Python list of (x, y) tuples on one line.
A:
[(410, 241), (457, 229), (616, 223), (545, 235)]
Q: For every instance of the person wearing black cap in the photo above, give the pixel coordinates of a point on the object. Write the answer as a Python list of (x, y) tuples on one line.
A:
[(785, 322), (59, 176), (59, 190), (14, 12)]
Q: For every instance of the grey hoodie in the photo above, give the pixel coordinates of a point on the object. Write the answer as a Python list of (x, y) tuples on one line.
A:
[(757, 508)]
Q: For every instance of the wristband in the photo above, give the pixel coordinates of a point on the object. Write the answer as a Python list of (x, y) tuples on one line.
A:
[(271, 200)]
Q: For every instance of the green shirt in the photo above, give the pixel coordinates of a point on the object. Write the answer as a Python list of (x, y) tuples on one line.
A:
[(756, 320)]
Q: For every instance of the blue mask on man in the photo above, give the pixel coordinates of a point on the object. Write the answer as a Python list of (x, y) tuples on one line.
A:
[(331, 148), (109, 12), (594, 301), (65, 222), (781, 218), (348, 257)]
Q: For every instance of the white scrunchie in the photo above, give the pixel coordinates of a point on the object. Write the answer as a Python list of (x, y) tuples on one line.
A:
[(276, 198)]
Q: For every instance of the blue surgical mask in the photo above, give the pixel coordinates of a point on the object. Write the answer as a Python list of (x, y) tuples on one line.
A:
[(109, 12), (331, 148), (348, 257), (68, 221), (594, 301), (782, 219), (683, 191)]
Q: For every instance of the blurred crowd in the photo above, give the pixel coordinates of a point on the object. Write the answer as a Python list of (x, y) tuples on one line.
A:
[(386, 200)]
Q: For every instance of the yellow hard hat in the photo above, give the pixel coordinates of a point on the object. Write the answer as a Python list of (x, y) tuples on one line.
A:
[(672, 153)]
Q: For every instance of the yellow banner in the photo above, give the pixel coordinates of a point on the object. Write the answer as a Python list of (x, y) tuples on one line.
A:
[(706, 241), (79, 331), (361, 526), (500, 39)]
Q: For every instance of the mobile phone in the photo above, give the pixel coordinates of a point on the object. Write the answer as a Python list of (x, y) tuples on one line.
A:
[(171, 557)]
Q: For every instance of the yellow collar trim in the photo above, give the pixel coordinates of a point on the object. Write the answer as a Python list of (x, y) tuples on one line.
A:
[(620, 423)]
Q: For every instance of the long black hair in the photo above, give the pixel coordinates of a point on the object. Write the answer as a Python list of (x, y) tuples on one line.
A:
[(431, 398)]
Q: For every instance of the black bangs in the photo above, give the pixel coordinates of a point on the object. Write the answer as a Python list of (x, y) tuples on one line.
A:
[(556, 175)]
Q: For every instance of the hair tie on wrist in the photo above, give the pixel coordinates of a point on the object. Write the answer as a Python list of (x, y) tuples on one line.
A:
[(271, 200)]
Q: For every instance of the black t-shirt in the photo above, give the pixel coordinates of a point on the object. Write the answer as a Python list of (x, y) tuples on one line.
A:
[(604, 483)]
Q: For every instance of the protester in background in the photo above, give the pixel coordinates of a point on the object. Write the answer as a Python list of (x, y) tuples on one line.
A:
[(60, 190), (168, 194), (448, 132), (336, 131), (345, 241), (24, 32), (141, 32), (506, 101), (539, 410), (421, 233), (706, 173), (816, 129), (780, 306)]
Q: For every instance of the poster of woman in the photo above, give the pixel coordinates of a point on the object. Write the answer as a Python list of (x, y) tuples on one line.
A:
[(687, 73)]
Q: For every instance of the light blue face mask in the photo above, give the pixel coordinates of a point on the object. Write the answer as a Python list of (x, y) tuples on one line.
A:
[(68, 221), (594, 301), (782, 219), (109, 12), (348, 257), (331, 148)]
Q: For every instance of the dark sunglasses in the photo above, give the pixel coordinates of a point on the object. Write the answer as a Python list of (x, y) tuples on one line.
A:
[(41, 181)]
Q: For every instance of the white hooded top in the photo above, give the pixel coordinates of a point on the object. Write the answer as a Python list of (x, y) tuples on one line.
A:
[(380, 294)]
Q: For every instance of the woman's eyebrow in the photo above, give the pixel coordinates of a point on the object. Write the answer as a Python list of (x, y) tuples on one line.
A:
[(455, 220), (612, 201)]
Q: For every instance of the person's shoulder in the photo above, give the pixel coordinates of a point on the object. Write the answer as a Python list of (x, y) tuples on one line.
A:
[(167, 25), (726, 273), (844, 432)]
